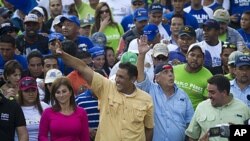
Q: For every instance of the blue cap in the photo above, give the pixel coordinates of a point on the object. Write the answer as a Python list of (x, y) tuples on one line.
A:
[(211, 23), (71, 18), (96, 51), (161, 67), (156, 8), (151, 30), (242, 60), (141, 14), (54, 36), (99, 38)]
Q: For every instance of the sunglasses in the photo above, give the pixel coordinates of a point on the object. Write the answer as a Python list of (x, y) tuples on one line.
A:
[(229, 46), (104, 11)]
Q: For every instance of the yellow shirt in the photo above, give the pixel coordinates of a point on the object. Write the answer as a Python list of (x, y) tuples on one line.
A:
[(122, 117)]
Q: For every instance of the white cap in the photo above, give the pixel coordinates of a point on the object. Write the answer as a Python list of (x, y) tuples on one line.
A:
[(31, 18), (196, 45), (39, 9), (160, 49), (52, 75)]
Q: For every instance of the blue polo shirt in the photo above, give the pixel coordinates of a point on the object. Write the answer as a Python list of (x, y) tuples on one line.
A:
[(171, 114), (90, 105), (188, 19)]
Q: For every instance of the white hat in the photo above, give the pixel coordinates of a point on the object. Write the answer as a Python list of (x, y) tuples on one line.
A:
[(31, 18), (196, 45), (160, 49), (39, 9), (52, 75)]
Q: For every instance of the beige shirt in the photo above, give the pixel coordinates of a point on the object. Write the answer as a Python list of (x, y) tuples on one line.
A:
[(122, 117)]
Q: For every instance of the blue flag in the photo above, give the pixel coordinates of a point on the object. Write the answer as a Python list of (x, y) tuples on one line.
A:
[(24, 5)]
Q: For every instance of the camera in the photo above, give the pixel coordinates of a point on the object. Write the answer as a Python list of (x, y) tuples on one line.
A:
[(220, 130)]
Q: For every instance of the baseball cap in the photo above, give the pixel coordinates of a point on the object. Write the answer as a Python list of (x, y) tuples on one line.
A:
[(86, 22), (7, 26), (187, 30), (242, 60), (57, 20), (211, 23), (96, 51), (221, 15), (71, 18), (129, 57), (99, 38), (156, 8), (161, 67), (26, 83), (31, 18), (38, 9), (55, 35), (160, 49), (232, 57), (141, 14), (132, 1), (196, 45), (52, 75), (5, 11), (151, 30)]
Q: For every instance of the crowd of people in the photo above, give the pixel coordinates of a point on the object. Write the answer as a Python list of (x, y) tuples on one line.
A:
[(133, 70)]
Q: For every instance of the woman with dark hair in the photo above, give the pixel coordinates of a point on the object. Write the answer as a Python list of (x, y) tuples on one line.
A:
[(104, 22), (12, 74), (64, 110), (109, 59), (31, 105)]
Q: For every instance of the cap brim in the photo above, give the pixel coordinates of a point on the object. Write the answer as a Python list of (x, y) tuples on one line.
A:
[(28, 87), (84, 25), (243, 64), (65, 18), (141, 19), (181, 34), (160, 53), (156, 11)]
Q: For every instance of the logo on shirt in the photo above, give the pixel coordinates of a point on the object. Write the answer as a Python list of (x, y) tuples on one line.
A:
[(5, 116)]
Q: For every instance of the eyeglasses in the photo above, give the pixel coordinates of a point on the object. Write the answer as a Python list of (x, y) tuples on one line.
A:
[(104, 11), (161, 58), (138, 3)]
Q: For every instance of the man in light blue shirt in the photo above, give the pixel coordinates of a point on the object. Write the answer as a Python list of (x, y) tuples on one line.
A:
[(240, 86), (172, 108)]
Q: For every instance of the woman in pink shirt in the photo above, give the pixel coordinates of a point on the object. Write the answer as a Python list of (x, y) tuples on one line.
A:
[(64, 121)]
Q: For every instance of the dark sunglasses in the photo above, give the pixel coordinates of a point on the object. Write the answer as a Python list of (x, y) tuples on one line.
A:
[(163, 58), (104, 11)]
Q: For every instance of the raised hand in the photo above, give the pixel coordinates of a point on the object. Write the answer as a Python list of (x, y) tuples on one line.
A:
[(55, 47), (104, 23), (143, 46)]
